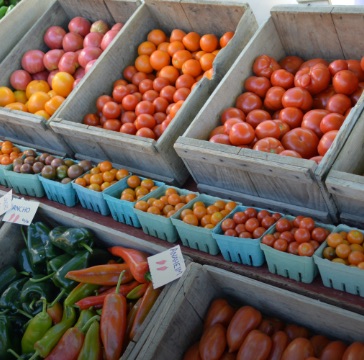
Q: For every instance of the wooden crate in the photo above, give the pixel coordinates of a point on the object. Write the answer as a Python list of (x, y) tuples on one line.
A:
[(31, 128), (11, 241), (182, 323), (157, 158), (17, 23), (280, 183), (345, 181)]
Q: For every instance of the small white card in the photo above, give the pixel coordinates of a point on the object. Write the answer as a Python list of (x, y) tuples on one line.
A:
[(22, 211), (6, 202), (166, 266)]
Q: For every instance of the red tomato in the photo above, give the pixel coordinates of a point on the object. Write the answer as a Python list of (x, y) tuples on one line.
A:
[(338, 103), (255, 117), (357, 93), (101, 101), (331, 121), (229, 124), (269, 144), (282, 78), (280, 245), (312, 62), (228, 224), (314, 79), (293, 247), (297, 97), (283, 127), (112, 124), (220, 139), (291, 153), (319, 234), (326, 141), (258, 85), (241, 133), (256, 345), (292, 116), (307, 223), (312, 120), (268, 128), (248, 101), (333, 351), (91, 119), (354, 351), (283, 224), (264, 65), (291, 63), (345, 82), (213, 342), (244, 320), (288, 236), (268, 240), (337, 65), (302, 235), (304, 141), (240, 217), (320, 100), (220, 311), (279, 344), (298, 349), (251, 224), (273, 98), (111, 110), (305, 248), (231, 112), (354, 66)]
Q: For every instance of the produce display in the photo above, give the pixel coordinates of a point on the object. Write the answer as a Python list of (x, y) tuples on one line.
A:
[(244, 332), (292, 107), (47, 78), (6, 6), (153, 89), (67, 298)]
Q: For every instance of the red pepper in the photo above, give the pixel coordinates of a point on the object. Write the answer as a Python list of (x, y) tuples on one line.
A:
[(107, 274), (55, 311), (148, 300), (113, 323), (98, 300), (137, 261)]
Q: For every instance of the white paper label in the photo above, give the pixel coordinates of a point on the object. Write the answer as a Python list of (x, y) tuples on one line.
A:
[(22, 211), (166, 266), (6, 202)]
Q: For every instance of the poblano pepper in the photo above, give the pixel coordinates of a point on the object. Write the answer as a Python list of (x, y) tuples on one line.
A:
[(74, 240), (7, 276), (26, 266), (57, 262), (10, 298), (35, 245), (43, 232), (5, 337), (32, 292)]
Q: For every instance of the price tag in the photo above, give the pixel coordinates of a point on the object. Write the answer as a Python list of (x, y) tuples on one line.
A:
[(22, 211), (5, 202), (166, 266)]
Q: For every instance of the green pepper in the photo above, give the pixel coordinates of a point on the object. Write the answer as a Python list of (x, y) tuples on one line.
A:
[(43, 232), (57, 232), (85, 316), (5, 337), (10, 298), (78, 262), (50, 339), (91, 348), (32, 292), (8, 275), (35, 246), (26, 266), (36, 329), (81, 291), (54, 264), (3, 11), (74, 240)]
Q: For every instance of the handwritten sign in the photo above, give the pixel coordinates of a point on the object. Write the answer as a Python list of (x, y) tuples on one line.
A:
[(166, 266), (22, 212), (5, 202)]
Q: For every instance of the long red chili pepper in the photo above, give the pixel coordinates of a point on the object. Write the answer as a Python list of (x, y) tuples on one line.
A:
[(137, 261), (98, 300), (107, 274), (113, 323), (148, 300)]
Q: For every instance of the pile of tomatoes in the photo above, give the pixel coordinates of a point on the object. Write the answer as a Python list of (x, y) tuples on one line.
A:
[(47, 78), (8, 152), (299, 236), (137, 187), (155, 87), (292, 107), (245, 333)]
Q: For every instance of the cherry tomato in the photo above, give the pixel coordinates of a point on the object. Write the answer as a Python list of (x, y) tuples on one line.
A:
[(268, 240), (293, 247), (101, 101), (292, 116), (240, 217), (307, 223), (267, 222), (319, 234), (312, 120), (297, 97), (269, 144), (111, 110), (283, 224), (273, 98), (305, 248), (302, 235), (264, 65), (304, 141), (280, 245), (326, 141), (314, 79), (258, 85), (291, 63)]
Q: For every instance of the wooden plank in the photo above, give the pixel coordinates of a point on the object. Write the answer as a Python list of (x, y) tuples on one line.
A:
[(17, 23), (122, 10), (265, 203), (175, 333)]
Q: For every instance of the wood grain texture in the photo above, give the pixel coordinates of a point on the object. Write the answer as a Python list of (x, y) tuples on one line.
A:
[(17, 23)]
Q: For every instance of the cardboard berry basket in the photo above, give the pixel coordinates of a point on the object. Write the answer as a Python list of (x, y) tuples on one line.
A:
[(27, 127), (156, 158), (16, 24), (281, 183), (345, 181), (181, 325), (11, 241), (339, 276)]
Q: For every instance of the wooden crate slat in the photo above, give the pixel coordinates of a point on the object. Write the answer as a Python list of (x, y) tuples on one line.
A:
[(122, 10)]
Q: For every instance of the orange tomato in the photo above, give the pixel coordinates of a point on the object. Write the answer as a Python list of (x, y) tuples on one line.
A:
[(105, 166), (35, 86), (17, 106), (159, 59), (157, 36), (191, 41), (192, 67), (53, 104), (37, 101), (225, 38), (142, 63), (6, 96), (146, 48), (121, 174), (62, 83), (209, 42), (43, 114)]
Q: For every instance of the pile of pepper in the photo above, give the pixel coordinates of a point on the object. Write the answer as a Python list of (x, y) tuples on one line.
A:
[(67, 299)]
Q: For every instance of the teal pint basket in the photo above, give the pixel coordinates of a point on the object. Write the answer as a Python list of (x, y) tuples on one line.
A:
[(340, 276), (64, 194)]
